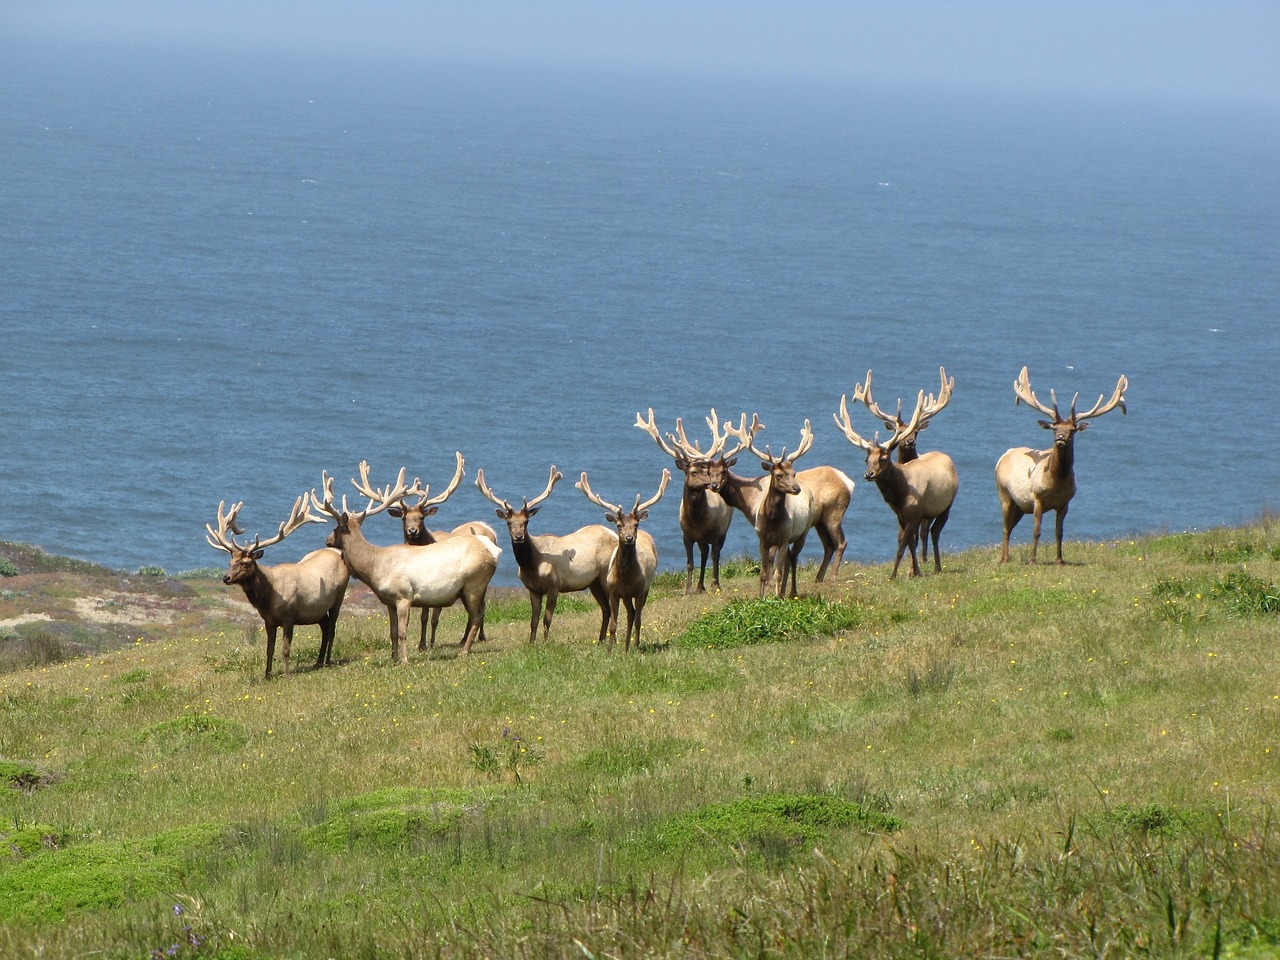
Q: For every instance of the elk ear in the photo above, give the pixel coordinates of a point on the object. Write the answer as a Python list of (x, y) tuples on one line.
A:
[(922, 426), (766, 466), (1082, 425), (430, 512), (1046, 424), (502, 514), (682, 464), (611, 518), (395, 512), (257, 554), (533, 510), (730, 462), (643, 514)]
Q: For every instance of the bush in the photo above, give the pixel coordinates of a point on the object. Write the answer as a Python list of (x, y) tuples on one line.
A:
[(771, 620)]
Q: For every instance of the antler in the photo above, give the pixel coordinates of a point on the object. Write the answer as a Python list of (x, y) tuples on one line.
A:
[(846, 425), (597, 500), (489, 494), (380, 498), (692, 450), (421, 491), (325, 503), (1117, 400), (900, 432), (746, 435), (662, 488), (863, 392), (934, 405), (299, 516), (651, 428), (1024, 394), (226, 521), (552, 479)]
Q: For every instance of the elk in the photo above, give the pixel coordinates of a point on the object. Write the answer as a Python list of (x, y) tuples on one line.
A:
[(286, 594), (550, 565), (920, 492), (907, 445), (704, 516), (1033, 481), (634, 561), (413, 516), (404, 576), (824, 494)]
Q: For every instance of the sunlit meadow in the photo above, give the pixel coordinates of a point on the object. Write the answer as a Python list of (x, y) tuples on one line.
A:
[(991, 761)]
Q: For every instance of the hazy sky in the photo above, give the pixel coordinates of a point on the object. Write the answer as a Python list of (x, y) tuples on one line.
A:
[(1204, 49)]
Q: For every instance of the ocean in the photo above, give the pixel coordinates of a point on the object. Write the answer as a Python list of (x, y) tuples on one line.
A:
[(224, 275)]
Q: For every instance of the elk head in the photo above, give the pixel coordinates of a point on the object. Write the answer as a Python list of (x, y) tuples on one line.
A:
[(347, 523), (413, 516), (780, 468), (703, 470), (894, 422), (518, 519), (879, 456), (245, 557), (1065, 428), (628, 524)]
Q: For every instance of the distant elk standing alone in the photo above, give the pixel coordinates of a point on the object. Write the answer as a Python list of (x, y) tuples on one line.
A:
[(1033, 481)]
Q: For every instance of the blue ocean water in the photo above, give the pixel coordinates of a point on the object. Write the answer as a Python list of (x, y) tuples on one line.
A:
[(222, 276)]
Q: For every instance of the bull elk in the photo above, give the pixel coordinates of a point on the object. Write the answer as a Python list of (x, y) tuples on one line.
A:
[(286, 594), (634, 562), (784, 505), (549, 565), (907, 445), (704, 515), (1033, 481), (920, 492), (413, 520), (404, 576)]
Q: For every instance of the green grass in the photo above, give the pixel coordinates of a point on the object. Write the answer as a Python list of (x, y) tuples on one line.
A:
[(994, 761)]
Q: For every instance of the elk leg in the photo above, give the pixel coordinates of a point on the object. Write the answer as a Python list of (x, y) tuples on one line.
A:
[(1012, 514), (688, 566), (602, 599), (1059, 518), (287, 645), (399, 617), (422, 635), (326, 638), (925, 525), (271, 647), (475, 620), (913, 537), (715, 563), (548, 613), (631, 622), (703, 549), (935, 530), (535, 612), (1035, 531), (613, 622), (902, 546)]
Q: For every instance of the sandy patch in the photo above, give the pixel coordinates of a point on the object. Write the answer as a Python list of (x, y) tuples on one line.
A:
[(25, 618), (122, 608)]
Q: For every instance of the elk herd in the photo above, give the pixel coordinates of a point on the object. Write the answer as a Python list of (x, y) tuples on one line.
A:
[(616, 564)]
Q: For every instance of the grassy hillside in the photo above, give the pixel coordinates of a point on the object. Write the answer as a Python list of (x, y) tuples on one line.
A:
[(994, 761)]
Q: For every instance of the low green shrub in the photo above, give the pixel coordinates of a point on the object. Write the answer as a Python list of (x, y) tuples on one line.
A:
[(743, 622)]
